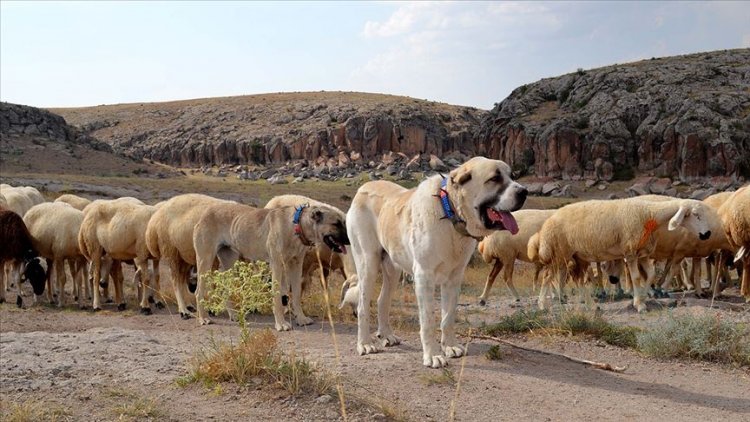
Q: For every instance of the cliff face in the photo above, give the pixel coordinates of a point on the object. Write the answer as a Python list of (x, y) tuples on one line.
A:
[(274, 128), (682, 117)]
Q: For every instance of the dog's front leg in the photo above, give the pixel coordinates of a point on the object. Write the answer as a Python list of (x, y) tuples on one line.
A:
[(448, 301), (277, 276), (424, 287), (294, 277), (391, 276)]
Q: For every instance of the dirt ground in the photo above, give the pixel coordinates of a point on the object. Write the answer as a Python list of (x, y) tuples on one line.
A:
[(115, 365)]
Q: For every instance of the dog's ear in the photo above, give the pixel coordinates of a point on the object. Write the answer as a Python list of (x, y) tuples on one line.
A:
[(460, 176), (317, 216)]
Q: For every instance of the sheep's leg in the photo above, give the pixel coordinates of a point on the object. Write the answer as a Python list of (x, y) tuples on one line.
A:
[(83, 279), (3, 285), (490, 281), (665, 280), (745, 286), (631, 270), (179, 272), (155, 290), (96, 271), (537, 270), (141, 277), (50, 290), (695, 277), (118, 280), (508, 278), (391, 276), (542, 301), (58, 268)]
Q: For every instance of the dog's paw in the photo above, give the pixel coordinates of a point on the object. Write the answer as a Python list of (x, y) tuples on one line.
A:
[(388, 340), (304, 320), (434, 361), (145, 311), (482, 302), (185, 315), (284, 326), (366, 349), (204, 321), (453, 351)]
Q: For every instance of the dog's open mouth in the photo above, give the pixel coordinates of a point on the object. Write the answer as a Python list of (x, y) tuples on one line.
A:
[(333, 243), (498, 220)]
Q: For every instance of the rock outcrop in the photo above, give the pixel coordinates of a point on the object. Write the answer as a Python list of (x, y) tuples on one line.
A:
[(684, 117), (275, 128)]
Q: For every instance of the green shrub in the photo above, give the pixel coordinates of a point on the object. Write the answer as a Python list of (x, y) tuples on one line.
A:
[(246, 287), (519, 322)]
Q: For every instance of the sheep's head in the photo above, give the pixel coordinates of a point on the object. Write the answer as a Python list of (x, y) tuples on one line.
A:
[(693, 216), (328, 227), (350, 294), (35, 274), (485, 195)]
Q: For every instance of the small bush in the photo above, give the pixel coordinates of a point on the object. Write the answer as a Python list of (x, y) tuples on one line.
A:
[(495, 353), (580, 71), (246, 287), (597, 327), (706, 338), (445, 377)]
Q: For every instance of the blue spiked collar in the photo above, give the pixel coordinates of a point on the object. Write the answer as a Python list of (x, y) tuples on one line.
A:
[(298, 227), (449, 212)]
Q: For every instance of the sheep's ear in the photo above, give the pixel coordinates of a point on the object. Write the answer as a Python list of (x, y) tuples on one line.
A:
[(676, 220), (317, 216), (460, 176)]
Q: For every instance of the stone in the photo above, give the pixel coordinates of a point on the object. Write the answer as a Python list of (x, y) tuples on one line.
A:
[(325, 398), (660, 186), (701, 194), (437, 164), (534, 188), (277, 180), (602, 186), (550, 187), (638, 189), (590, 182), (265, 174)]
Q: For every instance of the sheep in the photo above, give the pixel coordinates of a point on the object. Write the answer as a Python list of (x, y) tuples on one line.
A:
[(76, 201), (117, 228), (20, 199), (19, 253), (598, 230), (735, 217), (54, 230), (722, 270), (331, 261), (169, 235), (504, 248)]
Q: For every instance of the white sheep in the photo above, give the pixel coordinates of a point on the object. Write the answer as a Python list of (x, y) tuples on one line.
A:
[(54, 231), (75, 201), (735, 217), (598, 230), (117, 228), (503, 249)]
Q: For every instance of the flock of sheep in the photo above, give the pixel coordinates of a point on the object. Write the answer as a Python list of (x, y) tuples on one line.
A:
[(96, 237)]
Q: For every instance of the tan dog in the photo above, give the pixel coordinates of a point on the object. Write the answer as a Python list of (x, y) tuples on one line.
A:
[(393, 229), (169, 236), (331, 261), (232, 231)]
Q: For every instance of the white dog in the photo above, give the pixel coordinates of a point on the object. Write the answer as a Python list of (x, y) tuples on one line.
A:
[(429, 232)]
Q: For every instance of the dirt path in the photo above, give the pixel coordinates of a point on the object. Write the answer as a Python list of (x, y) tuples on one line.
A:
[(101, 366)]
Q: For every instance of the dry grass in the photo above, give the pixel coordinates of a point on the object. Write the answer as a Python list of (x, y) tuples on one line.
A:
[(704, 338), (256, 357), (32, 410), (444, 377)]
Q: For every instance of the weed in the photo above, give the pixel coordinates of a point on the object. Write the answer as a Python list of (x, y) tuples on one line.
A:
[(519, 322), (32, 411), (139, 408), (445, 377), (577, 323), (495, 353), (705, 338)]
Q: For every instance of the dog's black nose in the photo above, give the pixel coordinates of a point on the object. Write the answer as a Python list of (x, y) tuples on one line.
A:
[(522, 194), (705, 236)]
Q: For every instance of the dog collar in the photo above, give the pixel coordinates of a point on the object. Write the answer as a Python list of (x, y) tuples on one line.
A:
[(450, 214), (298, 227)]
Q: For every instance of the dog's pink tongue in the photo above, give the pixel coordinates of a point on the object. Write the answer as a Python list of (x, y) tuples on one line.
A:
[(505, 218), (343, 249), (509, 222)]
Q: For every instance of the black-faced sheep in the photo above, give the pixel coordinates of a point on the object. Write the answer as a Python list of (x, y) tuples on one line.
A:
[(18, 250)]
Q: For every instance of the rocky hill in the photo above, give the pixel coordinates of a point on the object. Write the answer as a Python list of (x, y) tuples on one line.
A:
[(320, 127), (38, 141), (681, 117)]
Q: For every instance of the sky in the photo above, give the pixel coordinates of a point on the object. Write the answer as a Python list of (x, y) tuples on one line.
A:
[(66, 54)]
